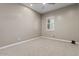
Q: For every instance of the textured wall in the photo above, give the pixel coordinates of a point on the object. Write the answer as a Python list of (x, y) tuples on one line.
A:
[(66, 23), (17, 23)]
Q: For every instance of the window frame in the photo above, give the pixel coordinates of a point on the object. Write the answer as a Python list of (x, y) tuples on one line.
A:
[(51, 18)]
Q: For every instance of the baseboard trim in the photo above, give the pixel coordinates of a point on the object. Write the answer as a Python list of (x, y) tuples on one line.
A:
[(17, 43), (69, 41), (13, 44)]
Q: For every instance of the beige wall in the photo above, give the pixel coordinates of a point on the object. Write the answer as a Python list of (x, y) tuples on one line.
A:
[(17, 23), (66, 23)]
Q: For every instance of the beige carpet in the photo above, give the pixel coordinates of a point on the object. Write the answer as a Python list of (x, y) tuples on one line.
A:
[(42, 47)]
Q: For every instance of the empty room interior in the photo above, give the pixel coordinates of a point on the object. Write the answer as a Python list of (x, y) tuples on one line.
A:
[(39, 29)]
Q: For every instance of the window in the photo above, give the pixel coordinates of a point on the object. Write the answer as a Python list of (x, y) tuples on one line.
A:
[(50, 24)]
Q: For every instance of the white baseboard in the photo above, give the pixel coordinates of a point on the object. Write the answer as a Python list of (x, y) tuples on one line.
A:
[(69, 41), (10, 45), (17, 43)]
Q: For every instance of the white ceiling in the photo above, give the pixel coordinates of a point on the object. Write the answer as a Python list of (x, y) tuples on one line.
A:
[(43, 8)]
